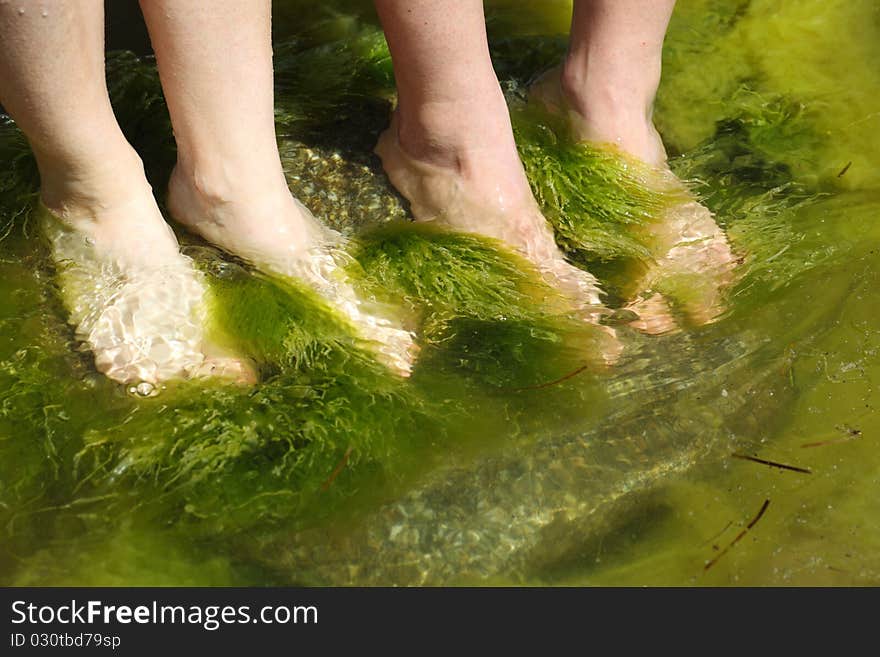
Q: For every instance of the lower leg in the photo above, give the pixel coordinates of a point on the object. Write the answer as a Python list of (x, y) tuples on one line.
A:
[(216, 72), (611, 73)]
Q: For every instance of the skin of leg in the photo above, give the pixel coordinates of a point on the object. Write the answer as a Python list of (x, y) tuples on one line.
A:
[(100, 215), (450, 149), (612, 71), (52, 84), (216, 72), (228, 184)]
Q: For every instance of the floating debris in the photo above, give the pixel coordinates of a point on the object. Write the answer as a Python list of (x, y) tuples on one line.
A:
[(738, 536), (772, 464)]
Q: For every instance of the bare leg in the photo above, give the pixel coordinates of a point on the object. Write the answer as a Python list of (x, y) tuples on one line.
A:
[(216, 69), (606, 87), (450, 148), (611, 73), (102, 221)]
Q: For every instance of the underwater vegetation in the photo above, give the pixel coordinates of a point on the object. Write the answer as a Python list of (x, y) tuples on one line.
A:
[(328, 438)]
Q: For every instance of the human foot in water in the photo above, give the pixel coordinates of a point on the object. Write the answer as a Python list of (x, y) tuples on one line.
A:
[(691, 255), (136, 302), (261, 222), (476, 184)]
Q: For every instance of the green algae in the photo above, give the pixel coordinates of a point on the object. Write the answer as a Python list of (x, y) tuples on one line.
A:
[(331, 82), (450, 273), (592, 196), (482, 310), (232, 455), (814, 56)]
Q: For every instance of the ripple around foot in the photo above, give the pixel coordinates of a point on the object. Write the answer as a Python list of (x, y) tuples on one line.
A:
[(144, 324)]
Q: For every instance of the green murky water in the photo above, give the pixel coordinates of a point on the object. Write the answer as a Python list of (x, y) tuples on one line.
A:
[(477, 470)]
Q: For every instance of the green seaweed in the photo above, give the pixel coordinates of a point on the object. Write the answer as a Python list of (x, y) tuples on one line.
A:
[(445, 273), (234, 456), (591, 195), (331, 83), (479, 301)]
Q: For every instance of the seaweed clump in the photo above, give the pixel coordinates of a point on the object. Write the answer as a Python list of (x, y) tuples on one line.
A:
[(234, 457), (483, 310), (592, 196)]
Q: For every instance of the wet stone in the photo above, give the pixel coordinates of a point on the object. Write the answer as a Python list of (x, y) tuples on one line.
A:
[(349, 192)]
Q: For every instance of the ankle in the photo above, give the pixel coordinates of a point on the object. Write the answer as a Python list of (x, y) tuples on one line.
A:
[(596, 92), (219, 184), (604, 107), (86, 188), (449, 134)]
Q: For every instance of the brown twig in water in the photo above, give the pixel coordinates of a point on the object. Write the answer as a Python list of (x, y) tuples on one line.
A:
[(772, 464), (718, 535), (738, 536), (851, 434), (831, 441), (845, 169), (337, 470), (568, 376)]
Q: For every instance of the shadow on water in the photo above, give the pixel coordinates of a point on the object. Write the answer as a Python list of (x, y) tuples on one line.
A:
[(513, 455)]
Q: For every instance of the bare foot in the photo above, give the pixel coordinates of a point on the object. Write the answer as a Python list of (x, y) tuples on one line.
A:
[(654, 316), (269, 228), (136, 302), (486, 192), (693, 261)]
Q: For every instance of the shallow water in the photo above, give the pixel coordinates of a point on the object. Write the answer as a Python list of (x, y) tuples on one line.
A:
[(481, 469)]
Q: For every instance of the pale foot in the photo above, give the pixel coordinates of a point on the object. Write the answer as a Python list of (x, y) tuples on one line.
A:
[(475, 198), (136, 302), (276, 233), (692, 257), (694, 265)]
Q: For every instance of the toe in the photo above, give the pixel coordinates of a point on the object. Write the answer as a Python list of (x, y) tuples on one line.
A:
[(654, 315)]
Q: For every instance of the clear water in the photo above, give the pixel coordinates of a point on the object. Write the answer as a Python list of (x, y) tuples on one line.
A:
[(476, 471)]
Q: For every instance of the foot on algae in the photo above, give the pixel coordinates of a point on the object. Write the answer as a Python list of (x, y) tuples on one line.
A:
[(482, 205), (143, 320), (452, 280), (280, 237), (606, 204)]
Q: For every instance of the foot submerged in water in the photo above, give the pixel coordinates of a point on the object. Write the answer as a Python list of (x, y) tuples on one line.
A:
[(693, 264), (137, 303), (276, 233), (487, 194)]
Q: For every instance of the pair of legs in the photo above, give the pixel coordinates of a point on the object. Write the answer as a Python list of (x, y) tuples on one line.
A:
[(451, 152), (215, 64)]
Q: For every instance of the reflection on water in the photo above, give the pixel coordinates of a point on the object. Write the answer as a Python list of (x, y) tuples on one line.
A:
[(511, 455)]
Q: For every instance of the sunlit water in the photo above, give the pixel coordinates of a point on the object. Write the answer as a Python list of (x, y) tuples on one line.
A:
[(493, 465)]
